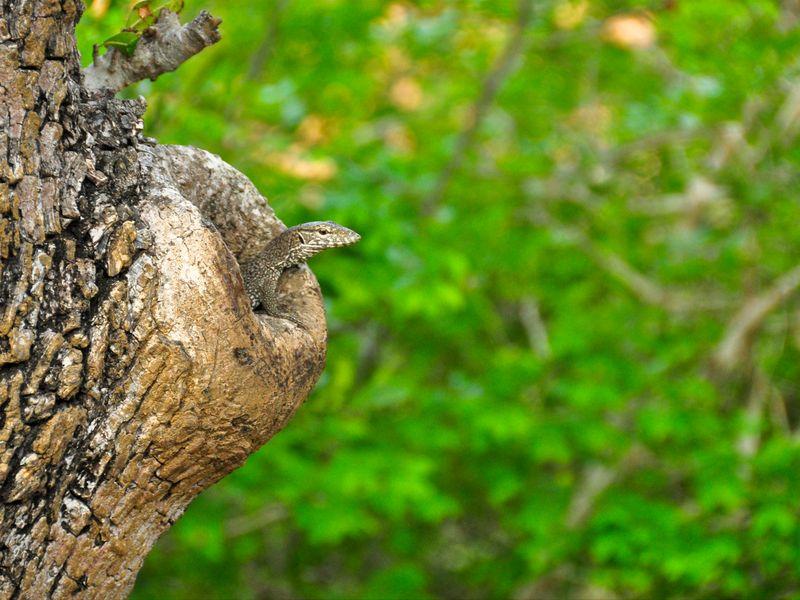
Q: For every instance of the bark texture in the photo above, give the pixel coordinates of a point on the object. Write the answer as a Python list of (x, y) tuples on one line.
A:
[(133, 373)]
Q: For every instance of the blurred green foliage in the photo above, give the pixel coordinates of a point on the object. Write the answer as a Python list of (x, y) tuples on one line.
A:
[(520, 399)]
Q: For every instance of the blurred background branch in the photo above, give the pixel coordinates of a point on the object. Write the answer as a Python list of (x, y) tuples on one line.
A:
[(266, 48), (734, 348), (505, 65)]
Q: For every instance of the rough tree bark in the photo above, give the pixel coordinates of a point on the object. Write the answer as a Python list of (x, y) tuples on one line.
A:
[(133, 373)]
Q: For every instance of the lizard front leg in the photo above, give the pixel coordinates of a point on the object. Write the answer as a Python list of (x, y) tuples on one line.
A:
[(261, 284)]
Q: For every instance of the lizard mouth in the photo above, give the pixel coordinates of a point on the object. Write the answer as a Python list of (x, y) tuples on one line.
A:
[(351, 238)]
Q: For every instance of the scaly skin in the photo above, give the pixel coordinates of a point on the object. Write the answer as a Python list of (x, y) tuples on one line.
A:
[(292, 247)]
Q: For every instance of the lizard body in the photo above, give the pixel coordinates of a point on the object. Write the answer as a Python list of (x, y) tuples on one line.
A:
[(292, 247)]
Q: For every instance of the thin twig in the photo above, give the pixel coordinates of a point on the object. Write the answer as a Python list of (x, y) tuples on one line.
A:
[(748, 442), (596, 479), (266, 48), (648, 290), (644, 288), (505, 65), (535, 329), (740, 332), (369, 358), (245, 524), (654, 141), (778, 410)]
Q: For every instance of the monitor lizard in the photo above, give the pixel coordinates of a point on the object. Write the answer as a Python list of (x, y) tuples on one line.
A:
[(292, 247)]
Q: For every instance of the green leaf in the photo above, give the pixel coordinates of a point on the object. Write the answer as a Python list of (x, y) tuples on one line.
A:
[(141, 16), (125, 41)]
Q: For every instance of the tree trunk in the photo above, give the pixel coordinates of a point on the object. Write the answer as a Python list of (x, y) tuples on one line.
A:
[(133, 373)]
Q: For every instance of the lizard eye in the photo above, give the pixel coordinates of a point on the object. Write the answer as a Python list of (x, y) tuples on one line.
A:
[(323, 232)]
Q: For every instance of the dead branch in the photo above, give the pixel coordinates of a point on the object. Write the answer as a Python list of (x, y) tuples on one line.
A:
[(641, 286), (597, 478), (162, 48), (749, 440), (244, 524)]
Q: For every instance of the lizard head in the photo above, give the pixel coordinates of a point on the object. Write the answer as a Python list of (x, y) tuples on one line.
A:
[(316, 236)]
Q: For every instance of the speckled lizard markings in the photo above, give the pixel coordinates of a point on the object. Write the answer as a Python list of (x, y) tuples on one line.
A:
[(292, 247)]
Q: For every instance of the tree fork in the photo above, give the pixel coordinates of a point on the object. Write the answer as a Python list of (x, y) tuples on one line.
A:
[(133, 373)]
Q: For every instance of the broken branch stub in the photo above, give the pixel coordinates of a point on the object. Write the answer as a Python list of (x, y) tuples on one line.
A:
[(162, 48)]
